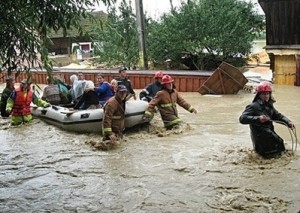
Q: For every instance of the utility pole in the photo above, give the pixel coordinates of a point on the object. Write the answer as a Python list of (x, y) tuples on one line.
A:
[(140, 20)]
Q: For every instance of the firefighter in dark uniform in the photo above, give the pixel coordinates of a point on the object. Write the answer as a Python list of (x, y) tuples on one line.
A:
[(151, 89), (259, 115)]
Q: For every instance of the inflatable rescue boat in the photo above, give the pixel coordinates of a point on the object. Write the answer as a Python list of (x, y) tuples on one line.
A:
[(90, 120)]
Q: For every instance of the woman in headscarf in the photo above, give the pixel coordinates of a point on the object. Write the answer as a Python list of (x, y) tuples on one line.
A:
[(77, 89), (89, 99)]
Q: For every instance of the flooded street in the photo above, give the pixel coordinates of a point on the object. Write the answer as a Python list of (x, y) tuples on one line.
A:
[(205, 166)]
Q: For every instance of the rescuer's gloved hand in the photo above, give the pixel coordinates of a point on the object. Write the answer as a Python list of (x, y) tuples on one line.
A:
[(8, 110), (46, 105)]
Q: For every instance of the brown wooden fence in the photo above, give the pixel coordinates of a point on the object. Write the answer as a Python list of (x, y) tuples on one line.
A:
[(185, 81)]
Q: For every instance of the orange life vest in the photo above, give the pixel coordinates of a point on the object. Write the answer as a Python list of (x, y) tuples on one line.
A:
[(22, 103)]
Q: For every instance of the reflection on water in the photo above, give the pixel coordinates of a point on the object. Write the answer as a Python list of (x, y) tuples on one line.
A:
[(207, 165)]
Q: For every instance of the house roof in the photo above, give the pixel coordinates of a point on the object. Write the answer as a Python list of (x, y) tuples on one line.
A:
[(85, 23)]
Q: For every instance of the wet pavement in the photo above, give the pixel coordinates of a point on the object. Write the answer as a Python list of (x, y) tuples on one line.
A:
[(207, 165)]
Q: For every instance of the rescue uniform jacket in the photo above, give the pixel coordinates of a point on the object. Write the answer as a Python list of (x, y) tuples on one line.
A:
[(19, 102), (114, 117), (166, 103), (264, 138), (150, 91), (22, 103)]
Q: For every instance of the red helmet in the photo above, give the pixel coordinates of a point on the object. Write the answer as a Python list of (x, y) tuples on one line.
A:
[(264, 87), (159, 74), (166, 79)]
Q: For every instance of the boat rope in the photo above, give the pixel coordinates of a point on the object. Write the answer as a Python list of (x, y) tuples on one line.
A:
[(293, 134)]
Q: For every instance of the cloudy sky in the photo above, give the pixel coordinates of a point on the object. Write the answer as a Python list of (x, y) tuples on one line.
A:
[(155, 8)]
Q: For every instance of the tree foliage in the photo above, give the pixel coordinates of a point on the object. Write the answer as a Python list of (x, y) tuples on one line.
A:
[(117, 37), (25, 27), (206, 31)]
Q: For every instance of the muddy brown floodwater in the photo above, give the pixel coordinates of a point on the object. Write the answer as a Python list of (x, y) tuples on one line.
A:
[(207, 165)]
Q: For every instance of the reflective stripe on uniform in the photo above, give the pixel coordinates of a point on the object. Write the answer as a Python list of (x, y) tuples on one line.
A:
[(148, 113), (169, 123), (146, 91), (190, 109), (107, 129), (116, 117), (166, 105)]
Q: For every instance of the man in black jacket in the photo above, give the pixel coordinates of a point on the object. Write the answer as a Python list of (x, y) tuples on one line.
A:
[(123, 80), (259, 115), (151, 89), (10, 86)]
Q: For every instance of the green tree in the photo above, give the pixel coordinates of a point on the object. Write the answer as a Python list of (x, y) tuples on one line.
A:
[(116, 38), (211, 30), (25, 26)]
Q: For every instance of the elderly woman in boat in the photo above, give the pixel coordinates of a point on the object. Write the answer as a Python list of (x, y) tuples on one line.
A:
[(77, 89), (89, 99), (51, 93)]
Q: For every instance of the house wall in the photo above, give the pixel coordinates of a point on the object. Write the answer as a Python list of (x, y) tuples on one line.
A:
[(285, 69), (282, 21), (61, 46), (283, 38)]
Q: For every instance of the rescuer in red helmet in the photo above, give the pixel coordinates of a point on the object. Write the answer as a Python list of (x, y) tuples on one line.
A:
[(260, 115), (151, 89), (165, 100)]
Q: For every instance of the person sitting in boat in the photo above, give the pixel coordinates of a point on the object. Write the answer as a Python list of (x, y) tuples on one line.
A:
[(77, 89), (114, 85), (18, 104), (150, 90), (103, 90), (81, 76), (63, 91), (89, 99), (51, 93), (124, 80), (10, 86), (260, 115), (165, 100), (114, 115)]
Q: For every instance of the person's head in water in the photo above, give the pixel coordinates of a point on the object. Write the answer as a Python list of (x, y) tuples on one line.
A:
[(167, 82), (121, 92), (264, 91)]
